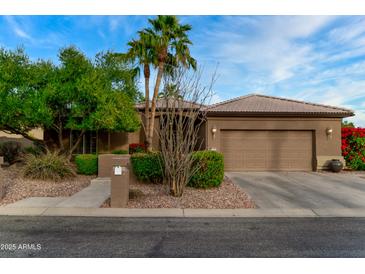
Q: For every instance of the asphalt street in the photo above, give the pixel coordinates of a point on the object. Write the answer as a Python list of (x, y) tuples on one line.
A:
[(181, 237)]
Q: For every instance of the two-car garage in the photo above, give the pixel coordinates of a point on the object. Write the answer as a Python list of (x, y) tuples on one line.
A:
[(267, 150)]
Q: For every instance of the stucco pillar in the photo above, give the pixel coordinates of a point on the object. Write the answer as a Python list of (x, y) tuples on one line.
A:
[(119, 187)]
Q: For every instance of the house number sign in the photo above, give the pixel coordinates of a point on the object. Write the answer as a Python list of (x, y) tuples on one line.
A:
[(118, 170)]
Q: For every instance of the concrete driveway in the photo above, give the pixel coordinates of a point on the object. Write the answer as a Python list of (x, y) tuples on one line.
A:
[(302, 189)]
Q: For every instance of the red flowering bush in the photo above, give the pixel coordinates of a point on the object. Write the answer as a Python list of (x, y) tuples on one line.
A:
[(353, 147), (137, 148)]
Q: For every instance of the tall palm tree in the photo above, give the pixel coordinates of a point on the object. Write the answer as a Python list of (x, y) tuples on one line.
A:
[(142, 51), (167, 36)]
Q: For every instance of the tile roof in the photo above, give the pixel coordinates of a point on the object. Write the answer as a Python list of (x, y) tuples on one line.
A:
[(161, 103), (263, 104)]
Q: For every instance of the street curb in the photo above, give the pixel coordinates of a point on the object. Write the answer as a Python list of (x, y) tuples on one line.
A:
[(181, 213)]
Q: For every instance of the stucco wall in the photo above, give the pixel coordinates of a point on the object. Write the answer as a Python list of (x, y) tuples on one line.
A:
[(202, 133), (325, 147), (118, 140), (37, 133)]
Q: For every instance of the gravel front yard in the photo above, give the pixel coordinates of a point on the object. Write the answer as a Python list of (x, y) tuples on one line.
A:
[(227, 195), (142, 195), (17, 187)]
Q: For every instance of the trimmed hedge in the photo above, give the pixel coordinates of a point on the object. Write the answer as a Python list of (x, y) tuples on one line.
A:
[(87, 164), (119, 151), (147, 166), (208, 169)]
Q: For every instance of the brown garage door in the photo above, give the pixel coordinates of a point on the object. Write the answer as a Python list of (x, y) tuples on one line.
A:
[(267, 150)]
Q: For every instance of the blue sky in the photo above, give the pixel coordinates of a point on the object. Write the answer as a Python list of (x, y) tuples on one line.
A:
[(313, 58)]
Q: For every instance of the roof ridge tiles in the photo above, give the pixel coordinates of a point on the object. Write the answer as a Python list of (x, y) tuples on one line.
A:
[(276, 98), (303, 102)]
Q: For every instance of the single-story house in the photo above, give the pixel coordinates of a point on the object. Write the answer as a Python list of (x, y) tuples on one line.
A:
[(254, 132), (261, 133)]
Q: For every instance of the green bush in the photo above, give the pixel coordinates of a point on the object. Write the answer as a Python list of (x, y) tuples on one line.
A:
[(208, 169), (49, 166), (35, 150), (87, 164), (137, 148), (11, 151), (147, 166), (119, 151)]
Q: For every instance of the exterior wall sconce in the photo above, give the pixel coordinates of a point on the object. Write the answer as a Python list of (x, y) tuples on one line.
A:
[(214, 131), (329, 132)]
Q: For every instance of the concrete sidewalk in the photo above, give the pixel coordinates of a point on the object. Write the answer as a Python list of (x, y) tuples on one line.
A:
[(92, 196), (178, 212)]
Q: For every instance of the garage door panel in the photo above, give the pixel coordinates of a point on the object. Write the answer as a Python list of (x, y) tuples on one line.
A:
[(253, 160), (267, 150)]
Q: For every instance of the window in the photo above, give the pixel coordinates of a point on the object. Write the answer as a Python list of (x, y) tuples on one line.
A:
[(88, 143)]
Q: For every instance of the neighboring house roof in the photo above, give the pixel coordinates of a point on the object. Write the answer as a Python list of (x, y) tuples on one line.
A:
[(161, 104), (256, 104)]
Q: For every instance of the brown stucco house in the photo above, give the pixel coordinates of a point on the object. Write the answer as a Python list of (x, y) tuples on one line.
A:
[(262, 133), (258, 132), (254, 132)]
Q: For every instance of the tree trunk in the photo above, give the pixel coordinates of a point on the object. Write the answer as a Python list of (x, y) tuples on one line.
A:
[(60, 139), (72, 149), (109, 141), (147, 102), (153, 105)]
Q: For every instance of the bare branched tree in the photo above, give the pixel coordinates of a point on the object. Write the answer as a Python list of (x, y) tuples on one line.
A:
[(182, 112)]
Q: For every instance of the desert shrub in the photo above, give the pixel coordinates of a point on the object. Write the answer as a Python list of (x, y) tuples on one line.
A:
[(137, 148), (48, 166), (35, 150), (353, 147), (87, 164), (208, 169), (11, 151), (147, 166), (119, 151)]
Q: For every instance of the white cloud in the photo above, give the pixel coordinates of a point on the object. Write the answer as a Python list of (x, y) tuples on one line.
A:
[(215, 99), (21, 33), (358, 119), (308, 58), (346, 93), (16, 28), (345, 34), (101, 34), (114, 23), (266, 45), (129, 25), (23, 29)]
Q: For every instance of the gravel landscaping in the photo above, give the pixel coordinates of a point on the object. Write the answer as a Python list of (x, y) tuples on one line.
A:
[(17, 188), (142, 195), (227, 195)]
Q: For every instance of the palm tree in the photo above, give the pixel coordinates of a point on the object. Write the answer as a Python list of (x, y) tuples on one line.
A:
[(167, 38), (170, 91), (142, 51)]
